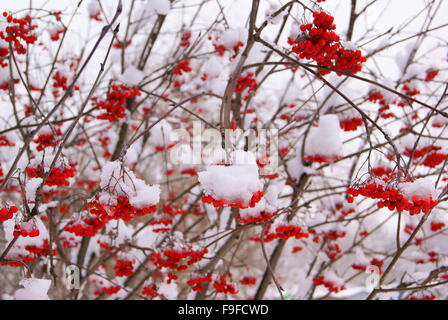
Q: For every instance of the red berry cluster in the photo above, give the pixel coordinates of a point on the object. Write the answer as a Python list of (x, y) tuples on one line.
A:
[(433, 257), (6, 214), (171, 277), (434, 159), (350, 124), (4, 142), (96, 15), (177, 259), (256, 197), (248, 281), (332, 251), (392, 199), (332, 235), (185, 39), (330, 285), (87, 228), (103, 245), (4, 52), (18, 231), (56, 34), (340, 208), (151, 291), (424, 297), (163, 148), (15, 258), (381, 171), (124, 268), (45, 140), (88, 184), (321, 159), (220, 49), (222, 286), (246, 81), (172, 209), (18, 30), (191, 172), (122, 44), (121, 210), (373, 262), (42, 249), (377, 97), (296, 249), (431, 74), (440, 123), (263, 217), (60, 82), (114, 105), (107, 290), (57, 15), (283, 232), (437, 226), (181, 67), (68, 242), (410, 90), (58, 176), (418, 153), (322, 45), (197, 283), (162, 222)]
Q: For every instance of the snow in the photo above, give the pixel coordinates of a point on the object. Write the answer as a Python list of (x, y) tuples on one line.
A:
[(46, 158), (234, 183), (169, 291), (33, 289), (295, 166), (268, 204), (93, 7), (325, 139), (271, 10), (161, 7), (160, 134), (116, 180), (350, 46), (21, 242), (145, 196), (31, 187), (53, 29), (439, 120), (333, 277), (422, 188), (230, 37), (5, 75), (117, 233), (360, 258), (212, 67), (132, 76)]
